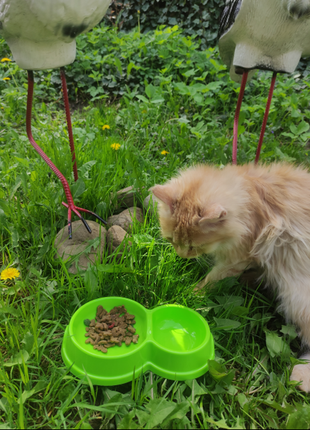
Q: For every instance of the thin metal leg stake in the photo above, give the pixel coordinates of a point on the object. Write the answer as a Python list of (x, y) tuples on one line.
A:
[(71, 206), (261, 137), (236, 120), (69, 126)]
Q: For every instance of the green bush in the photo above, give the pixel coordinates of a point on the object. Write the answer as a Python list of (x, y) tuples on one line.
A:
[(196, 17), (109, 63)]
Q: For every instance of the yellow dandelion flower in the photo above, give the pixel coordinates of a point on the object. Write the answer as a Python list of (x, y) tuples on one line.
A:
[(105, 126), (5, 59), (115, 146), (6, 79), (164, 152), (9, 273)]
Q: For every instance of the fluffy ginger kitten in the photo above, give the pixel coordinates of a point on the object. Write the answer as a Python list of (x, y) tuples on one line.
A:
[(247, 216)]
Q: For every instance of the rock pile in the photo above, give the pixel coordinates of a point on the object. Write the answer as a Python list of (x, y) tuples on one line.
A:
[(83, 249)]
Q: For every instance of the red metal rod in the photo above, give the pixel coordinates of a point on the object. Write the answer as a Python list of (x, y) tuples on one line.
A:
[(262, 133), (236, 120), (69, 125), (63, 180)]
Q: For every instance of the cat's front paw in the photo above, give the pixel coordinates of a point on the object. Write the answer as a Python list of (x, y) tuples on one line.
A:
[(203, 286), (200, 287), (301, 372)]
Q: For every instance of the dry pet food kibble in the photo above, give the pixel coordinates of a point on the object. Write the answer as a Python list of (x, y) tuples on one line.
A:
[(111, 328)]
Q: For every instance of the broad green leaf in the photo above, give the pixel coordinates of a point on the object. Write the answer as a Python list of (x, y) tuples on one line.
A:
[(127, 422), (293, 129), (199, 87), (276, 345), (159, 409), (226, 324), (25, 395), (283, 156), (221, 424), (90, 280), (28, 341), (292, 136), (142, 98), (5, 405), (43, 249), (189, 73), (83, 425), (4, 426), (302, 127), (242, 399), (157, 99), (130, 66), (214, 85), (198, 99), (5, 207), (290, 331), (179, 412), (217, 370), (183, 88), (19, 358), (107, 409), (15, 238), (15, 187), (299, 419), (150, 91), (87, 167), (9, 310), (23, 161), (194, 386), (288, 409), (142, 417), (240, 311), (118, 64), (230, 301), (143, 239), (78, 188)]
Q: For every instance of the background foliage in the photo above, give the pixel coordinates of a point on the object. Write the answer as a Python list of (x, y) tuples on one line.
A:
[(198, 18)]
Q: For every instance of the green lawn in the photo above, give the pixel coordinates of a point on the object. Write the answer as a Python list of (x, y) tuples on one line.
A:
[(182, 102)]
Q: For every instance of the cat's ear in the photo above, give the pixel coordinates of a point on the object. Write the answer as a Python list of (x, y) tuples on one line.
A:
[(164, 194), (212, 215)]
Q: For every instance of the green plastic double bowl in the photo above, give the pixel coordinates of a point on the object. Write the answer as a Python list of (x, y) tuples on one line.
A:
[(174, 342)]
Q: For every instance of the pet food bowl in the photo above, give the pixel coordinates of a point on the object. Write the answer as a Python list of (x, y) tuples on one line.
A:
[(174, 342)]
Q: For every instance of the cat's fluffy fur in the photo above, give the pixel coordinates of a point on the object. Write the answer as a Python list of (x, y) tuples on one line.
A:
[(246, 216)]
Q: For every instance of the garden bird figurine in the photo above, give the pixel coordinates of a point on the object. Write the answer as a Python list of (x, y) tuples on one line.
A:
[(268, 35), (41, 35), (262, 34)]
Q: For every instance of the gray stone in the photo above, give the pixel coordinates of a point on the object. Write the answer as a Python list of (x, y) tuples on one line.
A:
[(80, 244), (127, 197), (126, 218), (115, 238), (150, 204)]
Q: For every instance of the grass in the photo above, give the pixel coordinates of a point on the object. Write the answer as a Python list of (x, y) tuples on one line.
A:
[(248, 384)]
